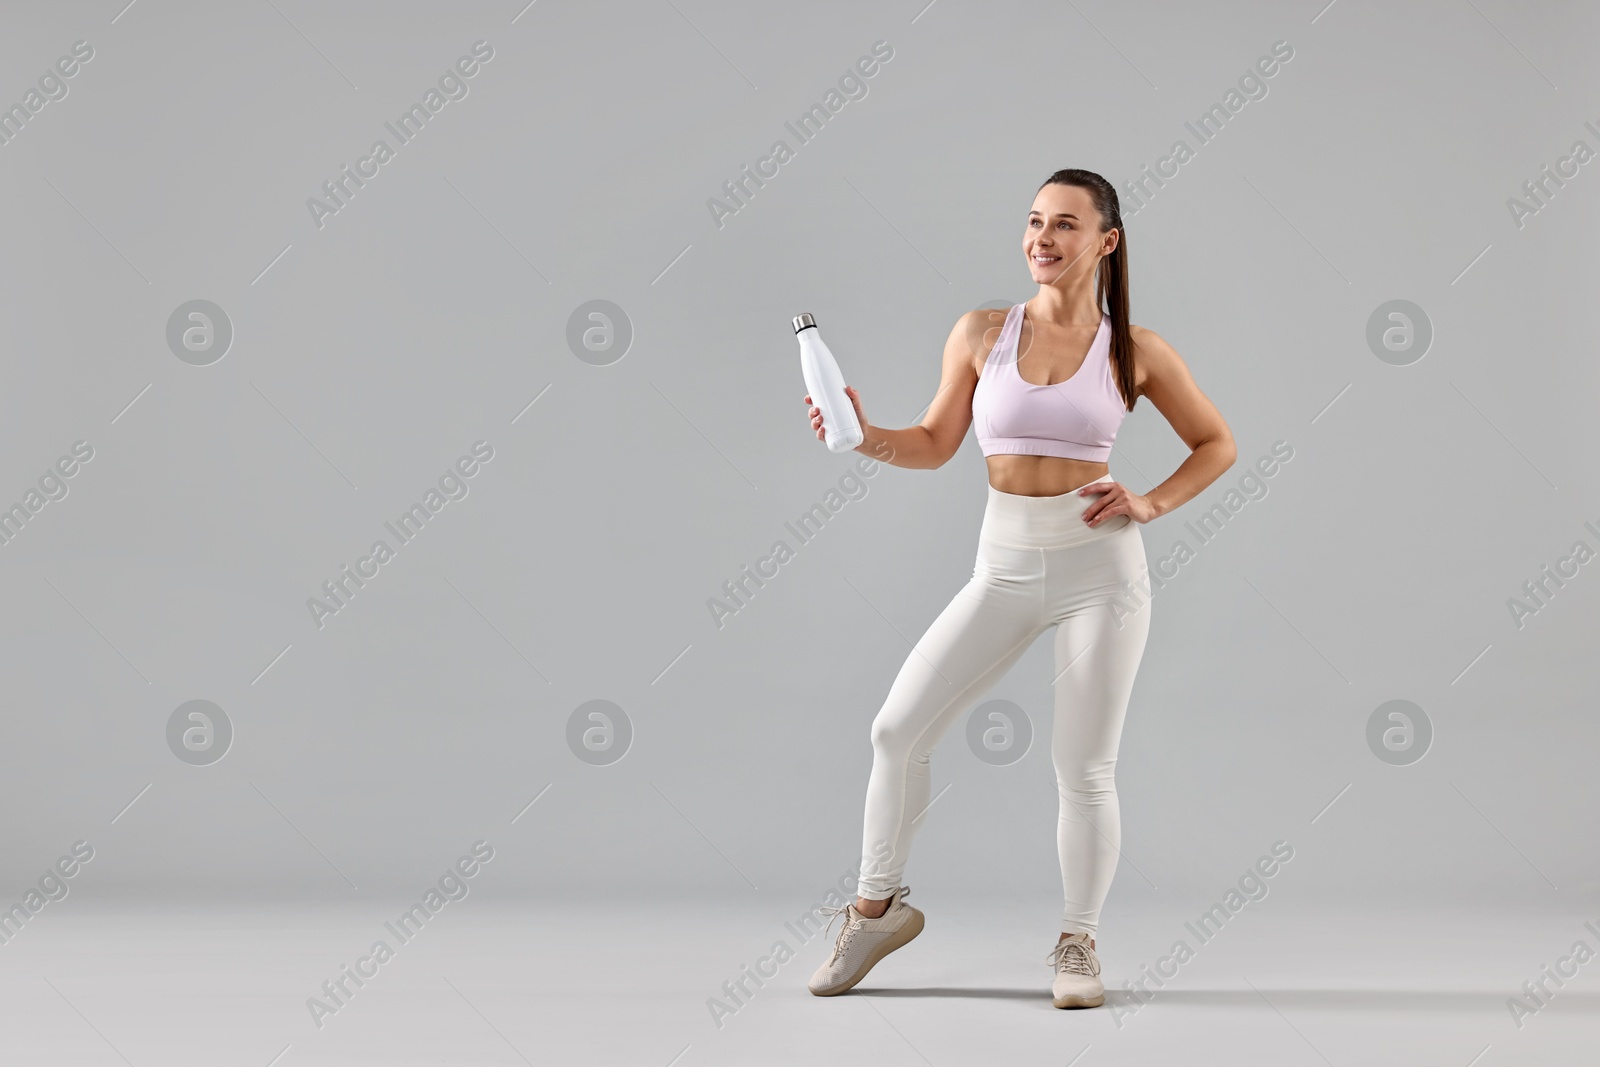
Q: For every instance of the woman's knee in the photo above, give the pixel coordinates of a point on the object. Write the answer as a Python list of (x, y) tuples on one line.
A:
[(1086, 782), (893, 735), (1081, 795)]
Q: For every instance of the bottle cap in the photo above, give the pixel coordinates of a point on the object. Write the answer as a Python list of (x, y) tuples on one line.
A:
[(802, 321)]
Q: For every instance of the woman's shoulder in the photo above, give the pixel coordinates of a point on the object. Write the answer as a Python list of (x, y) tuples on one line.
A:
[(1150, 345), (980, 328), (1153, 358), (985, 316)]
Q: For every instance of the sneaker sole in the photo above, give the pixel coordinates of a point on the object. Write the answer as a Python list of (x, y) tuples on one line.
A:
[(908, 932), (1072, 1001)]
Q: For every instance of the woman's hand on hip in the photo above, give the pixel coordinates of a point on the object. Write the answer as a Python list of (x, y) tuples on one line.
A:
[(1113, 498)]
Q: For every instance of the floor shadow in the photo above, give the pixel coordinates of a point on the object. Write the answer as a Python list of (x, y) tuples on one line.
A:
[(956, 991), (1369, 1000)]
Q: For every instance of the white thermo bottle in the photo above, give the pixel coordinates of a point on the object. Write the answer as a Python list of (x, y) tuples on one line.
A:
[(841, 430)]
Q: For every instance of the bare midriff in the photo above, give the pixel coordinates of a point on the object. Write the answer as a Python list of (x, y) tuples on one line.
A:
[(1041, 475)]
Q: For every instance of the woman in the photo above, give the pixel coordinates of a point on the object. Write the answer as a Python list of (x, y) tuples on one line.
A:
[(1059, 547)]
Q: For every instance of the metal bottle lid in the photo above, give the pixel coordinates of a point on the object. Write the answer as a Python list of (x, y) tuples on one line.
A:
[(802, 321)]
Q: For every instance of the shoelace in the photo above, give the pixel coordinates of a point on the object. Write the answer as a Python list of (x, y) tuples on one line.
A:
[(851, 925), (1074, 957)]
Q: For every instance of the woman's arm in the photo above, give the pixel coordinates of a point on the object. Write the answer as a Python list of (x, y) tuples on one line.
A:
[(938, 436), (1193, 416)]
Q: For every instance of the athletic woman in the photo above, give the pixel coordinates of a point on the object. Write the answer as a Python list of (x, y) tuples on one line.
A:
[(1046, 386)]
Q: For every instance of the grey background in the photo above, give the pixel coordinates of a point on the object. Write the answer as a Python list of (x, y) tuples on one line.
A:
[(430, 312)]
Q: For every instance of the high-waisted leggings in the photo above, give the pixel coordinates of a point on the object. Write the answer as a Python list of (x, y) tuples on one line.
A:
[(1039, 565)]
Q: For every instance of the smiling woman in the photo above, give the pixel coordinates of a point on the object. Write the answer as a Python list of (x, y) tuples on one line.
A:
[(1046, 386)]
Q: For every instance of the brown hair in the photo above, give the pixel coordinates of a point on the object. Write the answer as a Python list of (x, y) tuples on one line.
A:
[(1111, 279)]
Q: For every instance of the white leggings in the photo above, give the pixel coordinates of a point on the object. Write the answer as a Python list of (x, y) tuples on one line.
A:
[(1038, 565)]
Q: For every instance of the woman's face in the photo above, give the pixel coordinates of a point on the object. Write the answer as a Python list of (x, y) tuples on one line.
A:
[(1063, 238)]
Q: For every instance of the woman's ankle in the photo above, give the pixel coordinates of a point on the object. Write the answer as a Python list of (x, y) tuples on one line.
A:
[(873, 909)]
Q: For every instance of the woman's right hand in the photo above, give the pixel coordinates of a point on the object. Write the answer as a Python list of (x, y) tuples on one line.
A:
[(816, 414)]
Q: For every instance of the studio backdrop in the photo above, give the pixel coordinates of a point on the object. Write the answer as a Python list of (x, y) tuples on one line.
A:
[(403, 450)]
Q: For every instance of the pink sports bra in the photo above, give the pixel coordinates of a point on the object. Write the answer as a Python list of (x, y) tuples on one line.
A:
[(1074, 419)]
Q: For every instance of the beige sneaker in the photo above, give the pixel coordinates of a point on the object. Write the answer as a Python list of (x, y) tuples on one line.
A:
[(1077, 968), (863, 942)]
